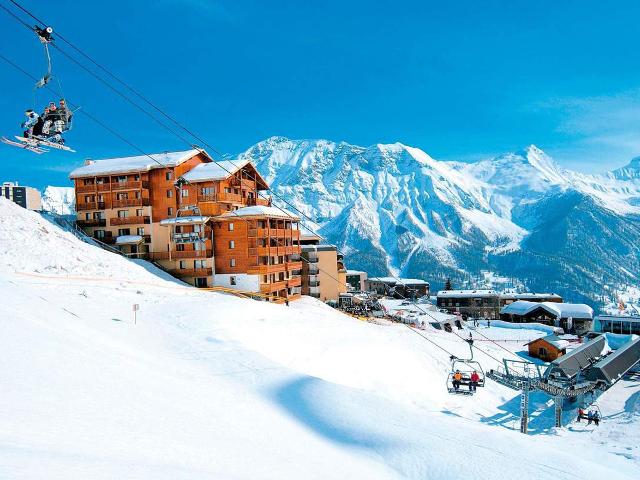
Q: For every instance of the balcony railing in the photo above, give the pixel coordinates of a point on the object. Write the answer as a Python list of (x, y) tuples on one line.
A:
[(192, 272), (294, 282), (188, 237), (294, 265), (273, 287), (90, 206), (104, 187), (175, 254), (129, 221), (86, 188), (131, 202), (93, 222), (133, 185), (229, 197), (264, 269)]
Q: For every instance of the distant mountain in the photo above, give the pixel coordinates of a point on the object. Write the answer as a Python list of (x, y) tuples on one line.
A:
[(393, 208), (60, 200)]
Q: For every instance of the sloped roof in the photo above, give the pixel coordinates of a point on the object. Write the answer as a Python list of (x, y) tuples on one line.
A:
[(128, 239), (400, 281), (553, 340), (191, 219), (559, 310), (140, 163), (259, 211), (219, 170)]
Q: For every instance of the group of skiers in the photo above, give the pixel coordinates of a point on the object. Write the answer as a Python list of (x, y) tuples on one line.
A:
[(474, 379), (591, 416), (49, 126)]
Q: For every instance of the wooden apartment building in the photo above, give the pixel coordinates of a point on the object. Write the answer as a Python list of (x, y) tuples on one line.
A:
[(209, 229)]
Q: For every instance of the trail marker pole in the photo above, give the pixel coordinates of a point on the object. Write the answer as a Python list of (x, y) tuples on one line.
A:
[(136, 307)]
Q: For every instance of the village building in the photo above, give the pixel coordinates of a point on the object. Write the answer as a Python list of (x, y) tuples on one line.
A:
[(26, 197), (470, 303), (547, 348), (571, 317), (209, 229), (624, 324), (397, 287), (323, 271), (507, 298), (356, 280)]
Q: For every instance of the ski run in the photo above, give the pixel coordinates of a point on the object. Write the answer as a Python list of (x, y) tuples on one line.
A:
[(209, 386)]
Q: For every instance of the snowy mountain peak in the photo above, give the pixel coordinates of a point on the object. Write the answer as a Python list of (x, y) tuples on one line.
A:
[(629, 172)]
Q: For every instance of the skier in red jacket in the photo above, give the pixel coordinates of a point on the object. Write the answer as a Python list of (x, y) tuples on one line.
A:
[(475, 378)]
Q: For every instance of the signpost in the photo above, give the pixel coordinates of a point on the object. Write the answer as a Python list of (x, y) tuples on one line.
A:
[(136, 307)]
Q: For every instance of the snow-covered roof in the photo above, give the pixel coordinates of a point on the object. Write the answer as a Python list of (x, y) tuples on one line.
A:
[(559, 310), (188, 220), (529, 295), (217, 170), (620, 318), (401, 281), (128, 239), (553, 340), (141, 163), (355, 272), (467, 293), (260, 211)]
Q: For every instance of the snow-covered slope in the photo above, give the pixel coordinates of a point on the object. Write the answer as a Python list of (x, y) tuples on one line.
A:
[(59, 200), (393, 208), (210, 386)]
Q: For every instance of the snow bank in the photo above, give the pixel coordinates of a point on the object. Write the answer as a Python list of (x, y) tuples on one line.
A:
[(522, 326)]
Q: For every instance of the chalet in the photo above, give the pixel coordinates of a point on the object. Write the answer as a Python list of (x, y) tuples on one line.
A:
[(397, 287), (201, 230), (470, 303), (508, 298), (547, 348), (571, 317)]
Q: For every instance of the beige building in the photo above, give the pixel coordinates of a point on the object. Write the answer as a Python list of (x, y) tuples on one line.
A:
[(323, 273), (26, 197)]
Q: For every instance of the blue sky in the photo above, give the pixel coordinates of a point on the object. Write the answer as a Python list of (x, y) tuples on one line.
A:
[(462, 80)]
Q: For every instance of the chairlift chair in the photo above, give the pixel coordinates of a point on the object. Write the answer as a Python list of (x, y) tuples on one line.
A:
[(466, 366)]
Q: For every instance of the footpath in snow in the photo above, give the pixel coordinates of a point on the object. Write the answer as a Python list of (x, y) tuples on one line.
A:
[(209, 386)]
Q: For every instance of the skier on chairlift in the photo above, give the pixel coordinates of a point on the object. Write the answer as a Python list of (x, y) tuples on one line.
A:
[(475, 378), (457, 378)]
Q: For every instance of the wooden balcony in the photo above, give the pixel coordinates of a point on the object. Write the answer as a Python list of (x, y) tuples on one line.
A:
[(86, 188), (132, 185), (192, 272), (259, 201), (229, 197), (294, 265), (104, 187), (273, 287), (210, 208), (90, 206), (93, 222), (131, 202), (176, 255), (294, 282), (265, 269), (129, 221)]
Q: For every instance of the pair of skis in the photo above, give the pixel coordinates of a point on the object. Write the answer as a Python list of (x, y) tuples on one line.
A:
[(36, 144)]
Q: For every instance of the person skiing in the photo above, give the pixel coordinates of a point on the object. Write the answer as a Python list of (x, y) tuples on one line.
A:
[(50, 116), (457, 378), (580, 414), (589, 417), (475, 378)]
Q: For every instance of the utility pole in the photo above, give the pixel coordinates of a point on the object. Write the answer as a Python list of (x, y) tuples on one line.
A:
[(136, 307), (524, 406), (558, 404)]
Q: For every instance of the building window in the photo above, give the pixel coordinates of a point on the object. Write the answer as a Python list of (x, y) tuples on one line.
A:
[(180, 247), (122, 178), (140, 231), (232, 262), (169, 193), (232, 280), (99, 234), (199, 264), (87, 216), (231, 226), (207, 191), (185, 193), (227, 190), (169, 175), (124, 231), (139, 212), (123, 213), (201, 282), (88, 198), (182, 264), (170, 211), (542, 352), (232, 244), (265, 279), (136, 177)]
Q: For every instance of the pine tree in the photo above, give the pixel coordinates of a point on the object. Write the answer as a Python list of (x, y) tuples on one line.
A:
[(447, 285)]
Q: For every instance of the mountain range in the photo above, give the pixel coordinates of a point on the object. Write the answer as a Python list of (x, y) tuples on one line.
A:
[(394, 209)]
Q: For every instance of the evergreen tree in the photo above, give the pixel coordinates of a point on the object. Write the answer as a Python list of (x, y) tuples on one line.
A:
[(447, 285)]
